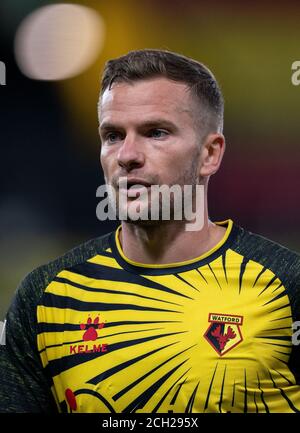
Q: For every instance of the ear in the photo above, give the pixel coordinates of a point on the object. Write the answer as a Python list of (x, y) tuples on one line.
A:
[(212, 151)]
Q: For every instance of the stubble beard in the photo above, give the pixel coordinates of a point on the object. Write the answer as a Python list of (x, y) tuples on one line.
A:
[(188, 177)]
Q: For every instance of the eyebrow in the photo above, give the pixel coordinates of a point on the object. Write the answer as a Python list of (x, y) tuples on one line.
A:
[(153, 123), (108, 127)]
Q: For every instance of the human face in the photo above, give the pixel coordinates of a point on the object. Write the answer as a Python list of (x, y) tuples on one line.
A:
[(149, 134)]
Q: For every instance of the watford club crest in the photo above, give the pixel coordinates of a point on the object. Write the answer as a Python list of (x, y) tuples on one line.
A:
[(224, 332)]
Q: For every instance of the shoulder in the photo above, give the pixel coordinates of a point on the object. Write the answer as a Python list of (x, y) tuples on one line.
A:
[(256, 245), (34, 284), (73, 257), (284, 262)]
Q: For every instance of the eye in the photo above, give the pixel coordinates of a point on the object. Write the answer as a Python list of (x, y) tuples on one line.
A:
[(158, 133), (112, 137)]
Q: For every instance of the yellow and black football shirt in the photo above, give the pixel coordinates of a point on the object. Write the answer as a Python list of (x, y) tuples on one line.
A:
[(95, 332)]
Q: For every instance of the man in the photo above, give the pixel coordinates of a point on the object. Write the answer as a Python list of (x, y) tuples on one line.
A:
[(155, 317)]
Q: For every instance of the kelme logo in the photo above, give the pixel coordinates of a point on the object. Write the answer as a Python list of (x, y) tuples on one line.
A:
[(91, 328)]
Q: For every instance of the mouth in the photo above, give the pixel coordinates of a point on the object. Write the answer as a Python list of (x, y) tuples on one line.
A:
[(133, 183)]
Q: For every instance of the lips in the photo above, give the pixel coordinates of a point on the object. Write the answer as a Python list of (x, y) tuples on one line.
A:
[(133, 183)]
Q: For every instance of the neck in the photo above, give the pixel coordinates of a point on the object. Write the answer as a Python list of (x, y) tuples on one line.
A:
[(169, 242)]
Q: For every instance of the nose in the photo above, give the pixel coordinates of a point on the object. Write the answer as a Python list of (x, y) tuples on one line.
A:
[(130, 155)]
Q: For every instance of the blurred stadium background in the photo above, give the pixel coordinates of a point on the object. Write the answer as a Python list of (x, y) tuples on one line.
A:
[(48, 129)]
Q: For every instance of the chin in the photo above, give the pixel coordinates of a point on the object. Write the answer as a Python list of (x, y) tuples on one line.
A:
[(144, 223)]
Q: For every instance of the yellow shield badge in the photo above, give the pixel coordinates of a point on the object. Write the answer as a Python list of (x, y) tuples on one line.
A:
[(224, 332)]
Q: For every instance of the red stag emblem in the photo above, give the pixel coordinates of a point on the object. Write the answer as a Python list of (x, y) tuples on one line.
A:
[(223, 338)]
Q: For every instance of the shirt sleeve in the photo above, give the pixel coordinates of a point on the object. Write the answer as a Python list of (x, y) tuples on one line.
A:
[(24, 386)]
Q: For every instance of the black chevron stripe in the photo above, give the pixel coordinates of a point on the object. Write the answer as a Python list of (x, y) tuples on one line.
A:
[(105, 374), (209, 389), (291, 405), (189, 407), (169, 390), (63, 302), (111, 291), (92, 270), (242, 271), (259, 275), (268, 285), (62, 327), (59, 365), (140, 379), (142, 399)]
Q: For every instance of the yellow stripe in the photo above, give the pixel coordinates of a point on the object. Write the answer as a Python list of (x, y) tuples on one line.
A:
[(55, 315), (105, 261), (62, 289), (106, 335), (58, 316), (170, 281)]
